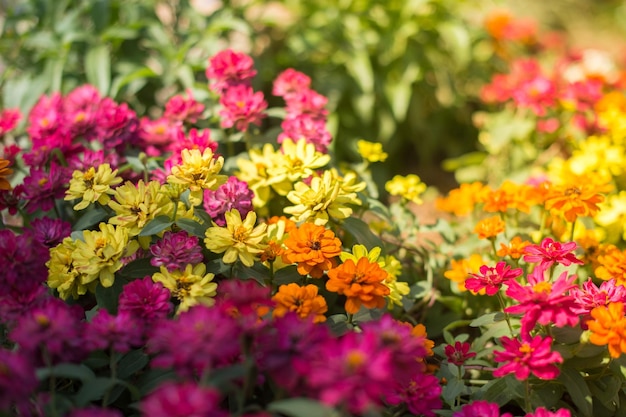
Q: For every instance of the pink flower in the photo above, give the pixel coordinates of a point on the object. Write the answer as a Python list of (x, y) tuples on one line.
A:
[(182, 399), (543, 302), (480, 408), (42, 189), (175, 250), (311, 129), (50, 232), (537, 94), (9, 118), (181, 109), (120, 333), (228, 68), (17, 381), (491, 279), (23, 261), (233, 194), (241, 106), (550, 252), (308, 102), (290, 82), (542, 412), (158, 133), (458, 353), (590, 296), (525, 357), (146, 300), (421, 395)]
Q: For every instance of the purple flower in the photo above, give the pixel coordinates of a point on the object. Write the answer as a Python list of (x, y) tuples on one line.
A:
[(121, 332), (17, 380), (146, 300), (421, 395), (233, 194), (50, 232), (199, 340), (23, 262), (176, 250), (16, 303), (42, 188), (186, 399), (52, 332)]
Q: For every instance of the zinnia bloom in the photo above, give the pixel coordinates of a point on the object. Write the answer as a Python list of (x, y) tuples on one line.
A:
[(182, 399), (145, 299), (238, 240), (421, 395), (50, 232), (233, 194), (543, 412), (489, 228), (362, 283), (491, 279), (314, 248), (573, 201), (92, 185), (550, 252), (190, 286), (176, 250), (120, 332), (608, 327), (289, 82), (458, 353), (371, 151), (241, 106), (198, 171), (304, 301), (228, 68), (612, 265), (480, 408), (409, 187), (17, 381), (528, 356), (515, 249), (589, 296)]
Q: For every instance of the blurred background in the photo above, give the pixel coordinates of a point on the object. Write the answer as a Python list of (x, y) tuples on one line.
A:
[(406, 73)]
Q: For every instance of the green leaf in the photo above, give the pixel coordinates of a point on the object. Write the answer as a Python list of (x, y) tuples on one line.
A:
[(453, 388), (362, 233), (287, 275), (487, 319), (497, 391), (192, 227), (152, 378), (137, 75), (66, 370), (156, 225), (301, 407), (257, 272), (606, 390), (578, 390), (132, 362), (138, 268), (94, 215), (109, 297), (93, 389), (98, 68)]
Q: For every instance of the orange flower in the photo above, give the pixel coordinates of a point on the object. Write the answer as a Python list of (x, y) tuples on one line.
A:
[(515, 249), (489, 228), (461, 201), (508, 196), (313, 248), (608, 327), (573, 201), (289, 224), (5, 171), (612, 264), (420, 331), (304, 301), (461, 269), (362, 283)]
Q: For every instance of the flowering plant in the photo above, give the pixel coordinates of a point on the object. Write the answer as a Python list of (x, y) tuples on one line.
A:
[(199, 264)]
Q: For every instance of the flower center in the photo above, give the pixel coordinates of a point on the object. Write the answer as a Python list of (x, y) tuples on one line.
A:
[(542, 287), (355, 359), (240, 234), (572, 191), (315, 245), (525, 348)]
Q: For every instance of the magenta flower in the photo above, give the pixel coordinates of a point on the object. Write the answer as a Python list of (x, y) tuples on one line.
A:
[(304, 126), (51, 332), (50, 232), (590, 296), (550, 252), (542, 412), (543, 302), (491, 279), (242, 299), (421, 395), (117, 126), (537, 94), (16, 303), (81, 112), (199, 340), (120, 333), (241, 106), (306, 101), (9, 118), (159, 133), (233, 194), (17, 381), (351, 372), (525, 357), (146, 300), (42, 188), (175, 250), (480, 408), (182, 399), (458, 353), (290, 82), (23, 262), (228, 68), (194, 139), (181, 109)]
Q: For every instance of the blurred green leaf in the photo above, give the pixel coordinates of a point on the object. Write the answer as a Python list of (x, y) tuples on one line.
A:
[(301, 407), (578, 390), (98, 67)]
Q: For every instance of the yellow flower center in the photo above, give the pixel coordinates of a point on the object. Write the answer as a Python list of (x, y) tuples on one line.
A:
[(43, 182), (543, 287), (241, 233), (355, 359), (42, 320), (573, 191), (525, 348)]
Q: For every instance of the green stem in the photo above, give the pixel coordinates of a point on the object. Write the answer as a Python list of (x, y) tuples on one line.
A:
[(506, 315), (493, 247), (113, 368), (527, 406), (52, 382), (571, 237)]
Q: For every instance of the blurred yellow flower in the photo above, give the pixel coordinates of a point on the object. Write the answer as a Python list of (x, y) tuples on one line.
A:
[(99, 256), (198, 172), (408, 187), (294, 162), (256, 172), (191, 286), (371, 151), (239, 239), (460, 270), (92, 185), (62, 274)]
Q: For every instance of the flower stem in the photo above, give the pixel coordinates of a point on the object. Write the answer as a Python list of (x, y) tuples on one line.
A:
[(527, 406), (571, 237), (113, 368), (506, 315)]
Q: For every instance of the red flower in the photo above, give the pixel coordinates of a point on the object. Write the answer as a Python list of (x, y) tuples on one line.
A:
[(551, 252), (458, 353), (491, 279), (530, 356)]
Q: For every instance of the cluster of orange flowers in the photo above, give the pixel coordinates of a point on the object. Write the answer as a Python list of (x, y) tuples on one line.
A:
[(608, 327)]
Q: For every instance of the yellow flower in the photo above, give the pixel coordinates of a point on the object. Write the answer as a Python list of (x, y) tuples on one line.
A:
[(198, 172), (136, 205), (294, 162), (91, 186), (62, 275), (191, 286), (461, 270), (255, 171), (360, 251), (99, 256), (371, 151), (321, 200), (410, 187), (239, 239), (398, 289), (612, 216)]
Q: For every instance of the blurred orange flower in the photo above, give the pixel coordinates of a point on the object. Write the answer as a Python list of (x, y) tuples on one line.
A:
[(5, 171), (304, 301), (489, 228), (608, 327), (612, 264), (573, 201), (515, 248)]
